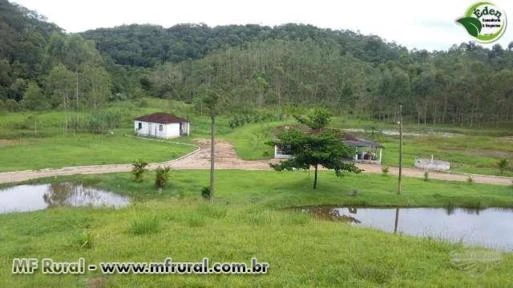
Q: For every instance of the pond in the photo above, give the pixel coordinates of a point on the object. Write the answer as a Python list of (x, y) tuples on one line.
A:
[(491, 228), (24, 198)]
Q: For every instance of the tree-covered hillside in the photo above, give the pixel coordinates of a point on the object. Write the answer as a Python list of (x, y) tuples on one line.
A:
[(301, 64), (466, 85), (149, 45), (252, 66), (43, 68)]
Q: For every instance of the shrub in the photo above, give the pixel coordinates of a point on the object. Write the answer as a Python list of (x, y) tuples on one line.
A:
[(470, 180), (502, 165), (84, 240), (385, 170), (138, 170), (205, 192), (11, 105), (99, 122), (161, 177), (145, 225), (247, 117), (426, 175)]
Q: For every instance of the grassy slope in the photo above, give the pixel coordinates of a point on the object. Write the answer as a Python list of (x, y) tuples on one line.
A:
[(473, 152), (23, 147), (249, 140), (242, 224), (477, 151)]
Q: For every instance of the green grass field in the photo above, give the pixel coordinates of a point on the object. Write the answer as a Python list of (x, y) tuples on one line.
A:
[(466, 153), (247, 221), (85, 149), (40, 138), (471, 152)]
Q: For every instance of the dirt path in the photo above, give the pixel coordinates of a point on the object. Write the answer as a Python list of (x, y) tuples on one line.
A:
[(226, 158)]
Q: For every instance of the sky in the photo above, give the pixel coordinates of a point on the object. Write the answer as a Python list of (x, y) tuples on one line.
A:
[(424, 24)]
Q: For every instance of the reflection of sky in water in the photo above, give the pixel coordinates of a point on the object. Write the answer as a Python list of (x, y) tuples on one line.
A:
[(491, 227), (36, 197)]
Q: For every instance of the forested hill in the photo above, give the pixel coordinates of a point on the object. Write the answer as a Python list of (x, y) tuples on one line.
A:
[(43, 68), (148, 45), (302, 64), (23, 37), (252, 67)]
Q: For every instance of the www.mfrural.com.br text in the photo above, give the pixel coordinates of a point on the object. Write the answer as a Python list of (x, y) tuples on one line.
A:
[(167, 266)]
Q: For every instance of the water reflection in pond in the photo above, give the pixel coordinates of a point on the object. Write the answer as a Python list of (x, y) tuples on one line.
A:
[(490, 227), (36, 197)]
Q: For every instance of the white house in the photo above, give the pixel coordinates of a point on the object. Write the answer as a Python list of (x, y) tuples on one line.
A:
[(161, 125)]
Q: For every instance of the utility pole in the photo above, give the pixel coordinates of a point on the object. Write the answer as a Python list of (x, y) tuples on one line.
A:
[(400, 148), (212, 154)]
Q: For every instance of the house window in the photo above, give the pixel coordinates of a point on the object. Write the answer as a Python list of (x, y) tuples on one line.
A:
[(161, 128), (139, 126)]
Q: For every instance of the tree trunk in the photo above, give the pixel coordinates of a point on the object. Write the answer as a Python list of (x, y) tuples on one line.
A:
[(315, 177), (212, 155)]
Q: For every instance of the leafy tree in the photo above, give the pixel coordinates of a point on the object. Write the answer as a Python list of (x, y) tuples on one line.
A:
[(96, 84), (34, 98), (317, 118), (315, 147)]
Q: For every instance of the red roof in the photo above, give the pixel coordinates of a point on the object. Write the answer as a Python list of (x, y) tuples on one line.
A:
[(161, 118)]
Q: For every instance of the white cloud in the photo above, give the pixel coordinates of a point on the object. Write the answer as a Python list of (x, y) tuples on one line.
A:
[(415, 24)]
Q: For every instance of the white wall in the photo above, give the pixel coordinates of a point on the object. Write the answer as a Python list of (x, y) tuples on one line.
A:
[(436, 165), (154, 129), (278, 154)]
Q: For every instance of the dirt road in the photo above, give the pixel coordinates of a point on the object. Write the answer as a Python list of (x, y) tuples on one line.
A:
[(226, 158)]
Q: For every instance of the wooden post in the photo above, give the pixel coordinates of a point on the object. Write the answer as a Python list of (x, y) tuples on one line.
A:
[(400, 148)]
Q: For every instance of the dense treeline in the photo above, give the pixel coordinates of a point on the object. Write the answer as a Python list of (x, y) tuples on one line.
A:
[(301, 64), (252, 66), (465, 85), (149, 45)]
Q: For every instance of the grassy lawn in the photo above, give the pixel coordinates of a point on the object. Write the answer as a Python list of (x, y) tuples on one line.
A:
[(84, 149), (466, 153), (31, 140), (473, 152), (246, 221), (249, 140)]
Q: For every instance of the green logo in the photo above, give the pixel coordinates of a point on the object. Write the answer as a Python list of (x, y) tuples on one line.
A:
[(484, 21)]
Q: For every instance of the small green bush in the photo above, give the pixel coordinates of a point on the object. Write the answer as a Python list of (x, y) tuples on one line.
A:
[(426, 175), (144, 225), (138, 168), (502, 165), (84, 240), (205, 192), (161, 177), (385, 170)]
